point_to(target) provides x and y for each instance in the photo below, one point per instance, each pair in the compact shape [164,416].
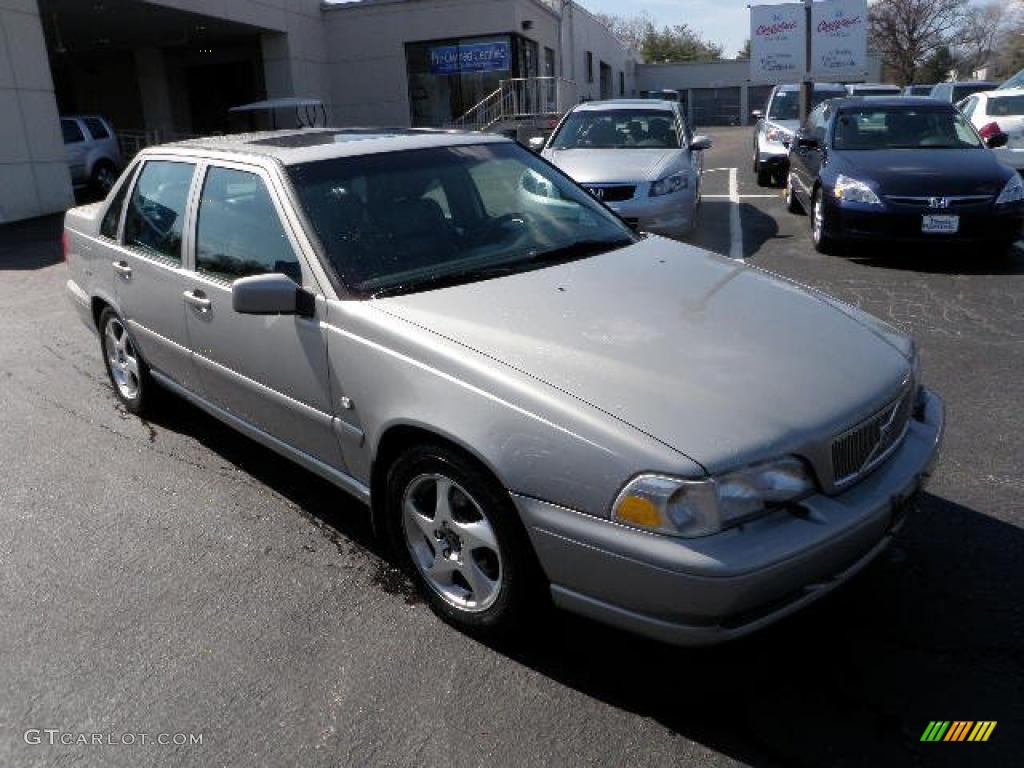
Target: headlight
[669,184]
[691,508]
[854,191]
[1013,192]
[778,134]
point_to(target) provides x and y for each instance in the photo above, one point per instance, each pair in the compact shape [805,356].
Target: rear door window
[96,128]
[155,220]
[239,231]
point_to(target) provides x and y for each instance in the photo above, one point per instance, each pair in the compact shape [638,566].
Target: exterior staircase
[518,101]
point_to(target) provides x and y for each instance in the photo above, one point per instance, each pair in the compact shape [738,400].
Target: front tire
[457,533]
[128,374]
[792,203]
[820,225]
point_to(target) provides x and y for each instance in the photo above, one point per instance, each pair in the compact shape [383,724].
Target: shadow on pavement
[932,630]
[32,243]
[937,259]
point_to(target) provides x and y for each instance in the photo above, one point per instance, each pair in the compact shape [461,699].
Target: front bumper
[671,215]
[707,590]
[892,224]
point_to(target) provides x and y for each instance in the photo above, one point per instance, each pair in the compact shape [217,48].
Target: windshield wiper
[578,250]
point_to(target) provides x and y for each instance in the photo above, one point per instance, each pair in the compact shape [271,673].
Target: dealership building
[166,69]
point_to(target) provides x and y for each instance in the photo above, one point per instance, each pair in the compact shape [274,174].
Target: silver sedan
[532,399]
[636,156]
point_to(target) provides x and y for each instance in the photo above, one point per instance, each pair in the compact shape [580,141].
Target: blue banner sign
[493,56]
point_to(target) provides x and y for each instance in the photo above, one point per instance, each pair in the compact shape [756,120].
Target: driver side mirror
[997,140]
[700,142]
[273,294]
[757,114]
[536,143]
[807,141]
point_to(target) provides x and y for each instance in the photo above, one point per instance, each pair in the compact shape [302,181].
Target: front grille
[939,202]
[859,449]
[613,194]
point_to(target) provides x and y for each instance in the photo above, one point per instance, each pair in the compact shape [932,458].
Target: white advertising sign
[839,40]
[778,43]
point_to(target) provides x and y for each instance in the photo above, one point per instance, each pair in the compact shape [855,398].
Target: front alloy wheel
[457,532]
[822,242]
[451,542]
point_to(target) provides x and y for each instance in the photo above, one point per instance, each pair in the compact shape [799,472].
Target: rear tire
[466,550]
[104,176]
[127,371]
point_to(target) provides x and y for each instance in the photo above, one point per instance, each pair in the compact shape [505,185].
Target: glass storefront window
[449,77]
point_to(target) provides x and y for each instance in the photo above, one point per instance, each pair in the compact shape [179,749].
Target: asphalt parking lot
[171,577]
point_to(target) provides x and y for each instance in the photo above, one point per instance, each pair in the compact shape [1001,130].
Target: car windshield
[618,129]
[786,104]
[408,221]
[963,91]
[903,128]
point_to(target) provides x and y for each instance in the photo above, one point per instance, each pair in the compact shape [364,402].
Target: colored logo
[958,730]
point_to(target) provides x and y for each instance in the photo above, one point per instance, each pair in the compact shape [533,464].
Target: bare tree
[980,35]
[906,32]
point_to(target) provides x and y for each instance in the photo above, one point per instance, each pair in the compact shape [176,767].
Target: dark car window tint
[72,133]
[239,232]
[108,227]
[903,128]
[619,129]
[1005,106]
[96,128]
[156,214]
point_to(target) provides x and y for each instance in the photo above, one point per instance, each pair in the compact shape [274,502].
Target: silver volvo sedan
[636,156]
[532,399]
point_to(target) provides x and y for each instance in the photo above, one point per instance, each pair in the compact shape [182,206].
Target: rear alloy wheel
[127,371]
[819,225]
[457,532]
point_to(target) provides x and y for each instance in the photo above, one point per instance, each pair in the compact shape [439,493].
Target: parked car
[873,90]
[92,151]
[776,125]
[636,156]
[919,89]
[530,397]
[901,169]
[956,91]
[996,112]
[1017,81]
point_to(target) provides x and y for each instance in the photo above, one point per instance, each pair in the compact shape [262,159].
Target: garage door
[716,106]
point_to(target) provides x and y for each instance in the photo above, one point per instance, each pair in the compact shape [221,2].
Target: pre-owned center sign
[835,31]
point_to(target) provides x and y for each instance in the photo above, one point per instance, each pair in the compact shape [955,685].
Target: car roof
[1001,92]
[838,87]
[662,104]
[870,86]
[969,82]
[892,101]
[304,145]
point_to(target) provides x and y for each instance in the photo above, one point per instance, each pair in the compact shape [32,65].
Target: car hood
[613,165]
[919,172]
[789,125]
[720,361]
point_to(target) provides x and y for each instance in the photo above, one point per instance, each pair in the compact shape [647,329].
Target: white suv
[92,151]
[995,112]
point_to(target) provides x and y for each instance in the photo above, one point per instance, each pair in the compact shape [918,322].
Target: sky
[719,21]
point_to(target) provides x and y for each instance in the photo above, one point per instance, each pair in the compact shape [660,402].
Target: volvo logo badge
[938,202]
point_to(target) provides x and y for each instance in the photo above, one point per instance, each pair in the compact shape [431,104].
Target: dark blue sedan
[901,169]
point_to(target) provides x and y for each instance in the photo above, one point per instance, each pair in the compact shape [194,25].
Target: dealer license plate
[940,225]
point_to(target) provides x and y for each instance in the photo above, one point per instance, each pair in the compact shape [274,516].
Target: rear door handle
[197,299]
[122,268]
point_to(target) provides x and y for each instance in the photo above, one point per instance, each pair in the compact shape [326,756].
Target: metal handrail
[518,98]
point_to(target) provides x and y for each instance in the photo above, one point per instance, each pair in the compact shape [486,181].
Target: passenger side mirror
[700,142]
[273,294]
[757,114]
[996,140]
[536,143]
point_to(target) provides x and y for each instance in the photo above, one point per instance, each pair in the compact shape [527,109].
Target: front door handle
[122,268]
[197,299]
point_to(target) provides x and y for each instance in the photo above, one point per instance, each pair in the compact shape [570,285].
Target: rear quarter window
[72,132]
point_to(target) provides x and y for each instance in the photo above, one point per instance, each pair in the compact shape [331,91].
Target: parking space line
[735,228]
[742,197]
